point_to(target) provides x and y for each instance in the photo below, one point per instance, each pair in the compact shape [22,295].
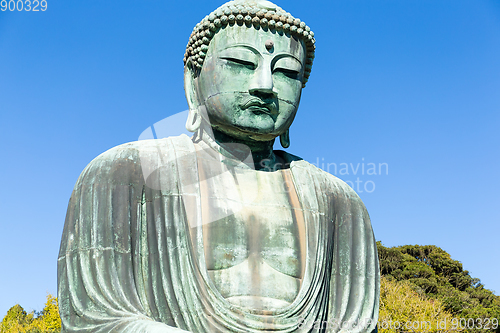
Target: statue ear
[190,84]
[190,79]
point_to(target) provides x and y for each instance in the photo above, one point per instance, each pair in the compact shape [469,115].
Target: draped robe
[132,259]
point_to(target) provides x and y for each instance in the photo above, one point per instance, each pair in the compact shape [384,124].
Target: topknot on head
[253,13]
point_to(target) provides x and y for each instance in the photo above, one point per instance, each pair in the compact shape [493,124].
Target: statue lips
[258,106]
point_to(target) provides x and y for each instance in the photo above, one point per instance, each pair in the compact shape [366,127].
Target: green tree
[16,320]
[47,321]
[433,274]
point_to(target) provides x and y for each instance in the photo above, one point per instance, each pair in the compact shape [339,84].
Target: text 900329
[23,5]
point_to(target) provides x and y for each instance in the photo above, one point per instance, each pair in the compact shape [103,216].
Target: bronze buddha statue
[219,232]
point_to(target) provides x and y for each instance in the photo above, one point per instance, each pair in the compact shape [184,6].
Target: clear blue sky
[411,83]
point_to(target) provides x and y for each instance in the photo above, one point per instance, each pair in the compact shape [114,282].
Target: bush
[403,309]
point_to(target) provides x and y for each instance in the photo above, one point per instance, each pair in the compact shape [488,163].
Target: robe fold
[132,259]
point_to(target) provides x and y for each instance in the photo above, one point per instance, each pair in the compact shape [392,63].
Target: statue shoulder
[336,185]
[127,163]
[301,166]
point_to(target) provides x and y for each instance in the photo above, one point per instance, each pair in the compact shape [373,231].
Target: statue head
[245,66]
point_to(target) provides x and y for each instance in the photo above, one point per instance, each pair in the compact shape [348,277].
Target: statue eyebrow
[243,45]
[285,54]
[254,50]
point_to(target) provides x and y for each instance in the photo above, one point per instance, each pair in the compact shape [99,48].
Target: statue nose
[262,83]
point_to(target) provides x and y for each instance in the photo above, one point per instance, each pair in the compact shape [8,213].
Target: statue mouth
[258,106]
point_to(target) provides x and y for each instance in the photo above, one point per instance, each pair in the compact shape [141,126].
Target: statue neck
[262,151]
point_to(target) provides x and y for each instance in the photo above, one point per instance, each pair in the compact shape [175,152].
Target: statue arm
[98,285]
[355,278]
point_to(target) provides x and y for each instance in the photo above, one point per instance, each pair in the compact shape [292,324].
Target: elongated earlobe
[285,139]
[193,121]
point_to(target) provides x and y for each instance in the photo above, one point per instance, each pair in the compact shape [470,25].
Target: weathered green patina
[218,232]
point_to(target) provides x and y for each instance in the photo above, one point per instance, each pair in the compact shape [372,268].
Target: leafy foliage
[47,321]
[433,275]
[401,304]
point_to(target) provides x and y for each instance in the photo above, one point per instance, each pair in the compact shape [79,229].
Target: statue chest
[256,252]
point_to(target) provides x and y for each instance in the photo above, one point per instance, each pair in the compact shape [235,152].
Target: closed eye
[241,62]
[288,72]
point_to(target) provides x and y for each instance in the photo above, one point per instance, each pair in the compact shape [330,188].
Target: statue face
[251,90]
